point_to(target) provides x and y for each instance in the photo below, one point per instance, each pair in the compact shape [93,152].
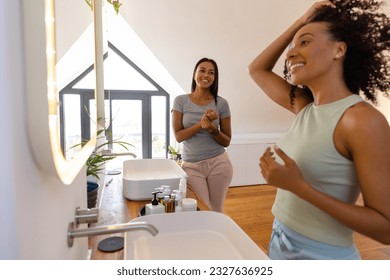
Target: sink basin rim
[187,224]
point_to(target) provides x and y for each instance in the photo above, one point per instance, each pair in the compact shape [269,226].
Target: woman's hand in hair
[313,10]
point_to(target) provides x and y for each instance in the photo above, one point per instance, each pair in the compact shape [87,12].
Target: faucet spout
[109,229]
[109,153]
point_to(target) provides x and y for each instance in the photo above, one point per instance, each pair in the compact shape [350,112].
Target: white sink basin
[142,176]
[191,236]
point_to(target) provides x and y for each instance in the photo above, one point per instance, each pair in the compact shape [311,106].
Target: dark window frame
[144,95]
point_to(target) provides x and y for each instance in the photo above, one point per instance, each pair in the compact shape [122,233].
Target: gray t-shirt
[202,145]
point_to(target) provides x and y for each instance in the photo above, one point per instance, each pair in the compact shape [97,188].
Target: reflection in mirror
[73,49]
[74,60]
[53,57]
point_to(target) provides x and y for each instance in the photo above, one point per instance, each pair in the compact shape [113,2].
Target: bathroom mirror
[74,61]
[55,52]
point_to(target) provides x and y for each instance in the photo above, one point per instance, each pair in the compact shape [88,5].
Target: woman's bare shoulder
[363,122]
[363,114]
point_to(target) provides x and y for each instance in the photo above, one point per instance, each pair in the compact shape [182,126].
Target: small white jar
[189,204]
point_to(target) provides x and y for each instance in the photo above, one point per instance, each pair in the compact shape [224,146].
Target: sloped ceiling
[233,32]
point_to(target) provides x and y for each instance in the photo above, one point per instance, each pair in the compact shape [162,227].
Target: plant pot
[92,193]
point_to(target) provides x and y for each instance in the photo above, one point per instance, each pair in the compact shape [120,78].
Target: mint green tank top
[309,143]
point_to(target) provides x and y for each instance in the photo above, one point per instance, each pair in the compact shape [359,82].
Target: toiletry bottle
[165,203]
[167,191]
[155,207]
[168,203]
[173,201]
[183,186]
[178,203]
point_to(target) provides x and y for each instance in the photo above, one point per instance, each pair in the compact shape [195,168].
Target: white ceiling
[233,32]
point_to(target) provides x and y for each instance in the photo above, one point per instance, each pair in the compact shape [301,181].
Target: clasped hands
[207,119]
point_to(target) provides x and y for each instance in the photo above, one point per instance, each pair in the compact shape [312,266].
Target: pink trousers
[210,179]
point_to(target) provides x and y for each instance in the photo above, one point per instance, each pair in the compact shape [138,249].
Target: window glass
[127,124]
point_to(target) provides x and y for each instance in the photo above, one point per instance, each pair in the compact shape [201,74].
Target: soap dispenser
[155,207]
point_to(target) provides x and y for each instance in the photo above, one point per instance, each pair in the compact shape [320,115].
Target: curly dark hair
[366,31]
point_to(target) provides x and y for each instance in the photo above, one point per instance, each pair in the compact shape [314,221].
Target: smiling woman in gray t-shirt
[201,120]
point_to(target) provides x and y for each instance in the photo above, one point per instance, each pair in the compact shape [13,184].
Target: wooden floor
[250,208]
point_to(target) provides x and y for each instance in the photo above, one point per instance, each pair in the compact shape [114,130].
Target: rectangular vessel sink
[197,235]
[142,176]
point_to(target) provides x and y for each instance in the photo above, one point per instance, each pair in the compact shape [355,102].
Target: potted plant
[172,153]
[97,160]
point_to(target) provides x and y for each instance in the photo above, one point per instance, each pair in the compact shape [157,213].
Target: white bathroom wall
[35,208]
[8,241]
[245,152]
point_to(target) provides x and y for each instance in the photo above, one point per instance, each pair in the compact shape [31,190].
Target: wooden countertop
[116,209]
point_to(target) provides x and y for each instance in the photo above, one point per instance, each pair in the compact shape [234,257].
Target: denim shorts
[286,244]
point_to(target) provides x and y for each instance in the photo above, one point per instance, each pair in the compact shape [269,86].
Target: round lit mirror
[58,50]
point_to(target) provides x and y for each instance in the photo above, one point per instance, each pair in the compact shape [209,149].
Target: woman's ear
[341,49]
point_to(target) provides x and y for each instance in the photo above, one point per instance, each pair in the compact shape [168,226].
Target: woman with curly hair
[338,145]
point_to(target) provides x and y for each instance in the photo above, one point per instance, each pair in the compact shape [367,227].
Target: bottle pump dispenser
[155,207]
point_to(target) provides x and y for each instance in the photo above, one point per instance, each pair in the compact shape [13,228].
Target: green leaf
[172,150]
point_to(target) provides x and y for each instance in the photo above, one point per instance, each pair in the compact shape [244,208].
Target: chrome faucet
[109,153]
[116,228]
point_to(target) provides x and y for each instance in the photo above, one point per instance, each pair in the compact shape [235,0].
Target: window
[136,107]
